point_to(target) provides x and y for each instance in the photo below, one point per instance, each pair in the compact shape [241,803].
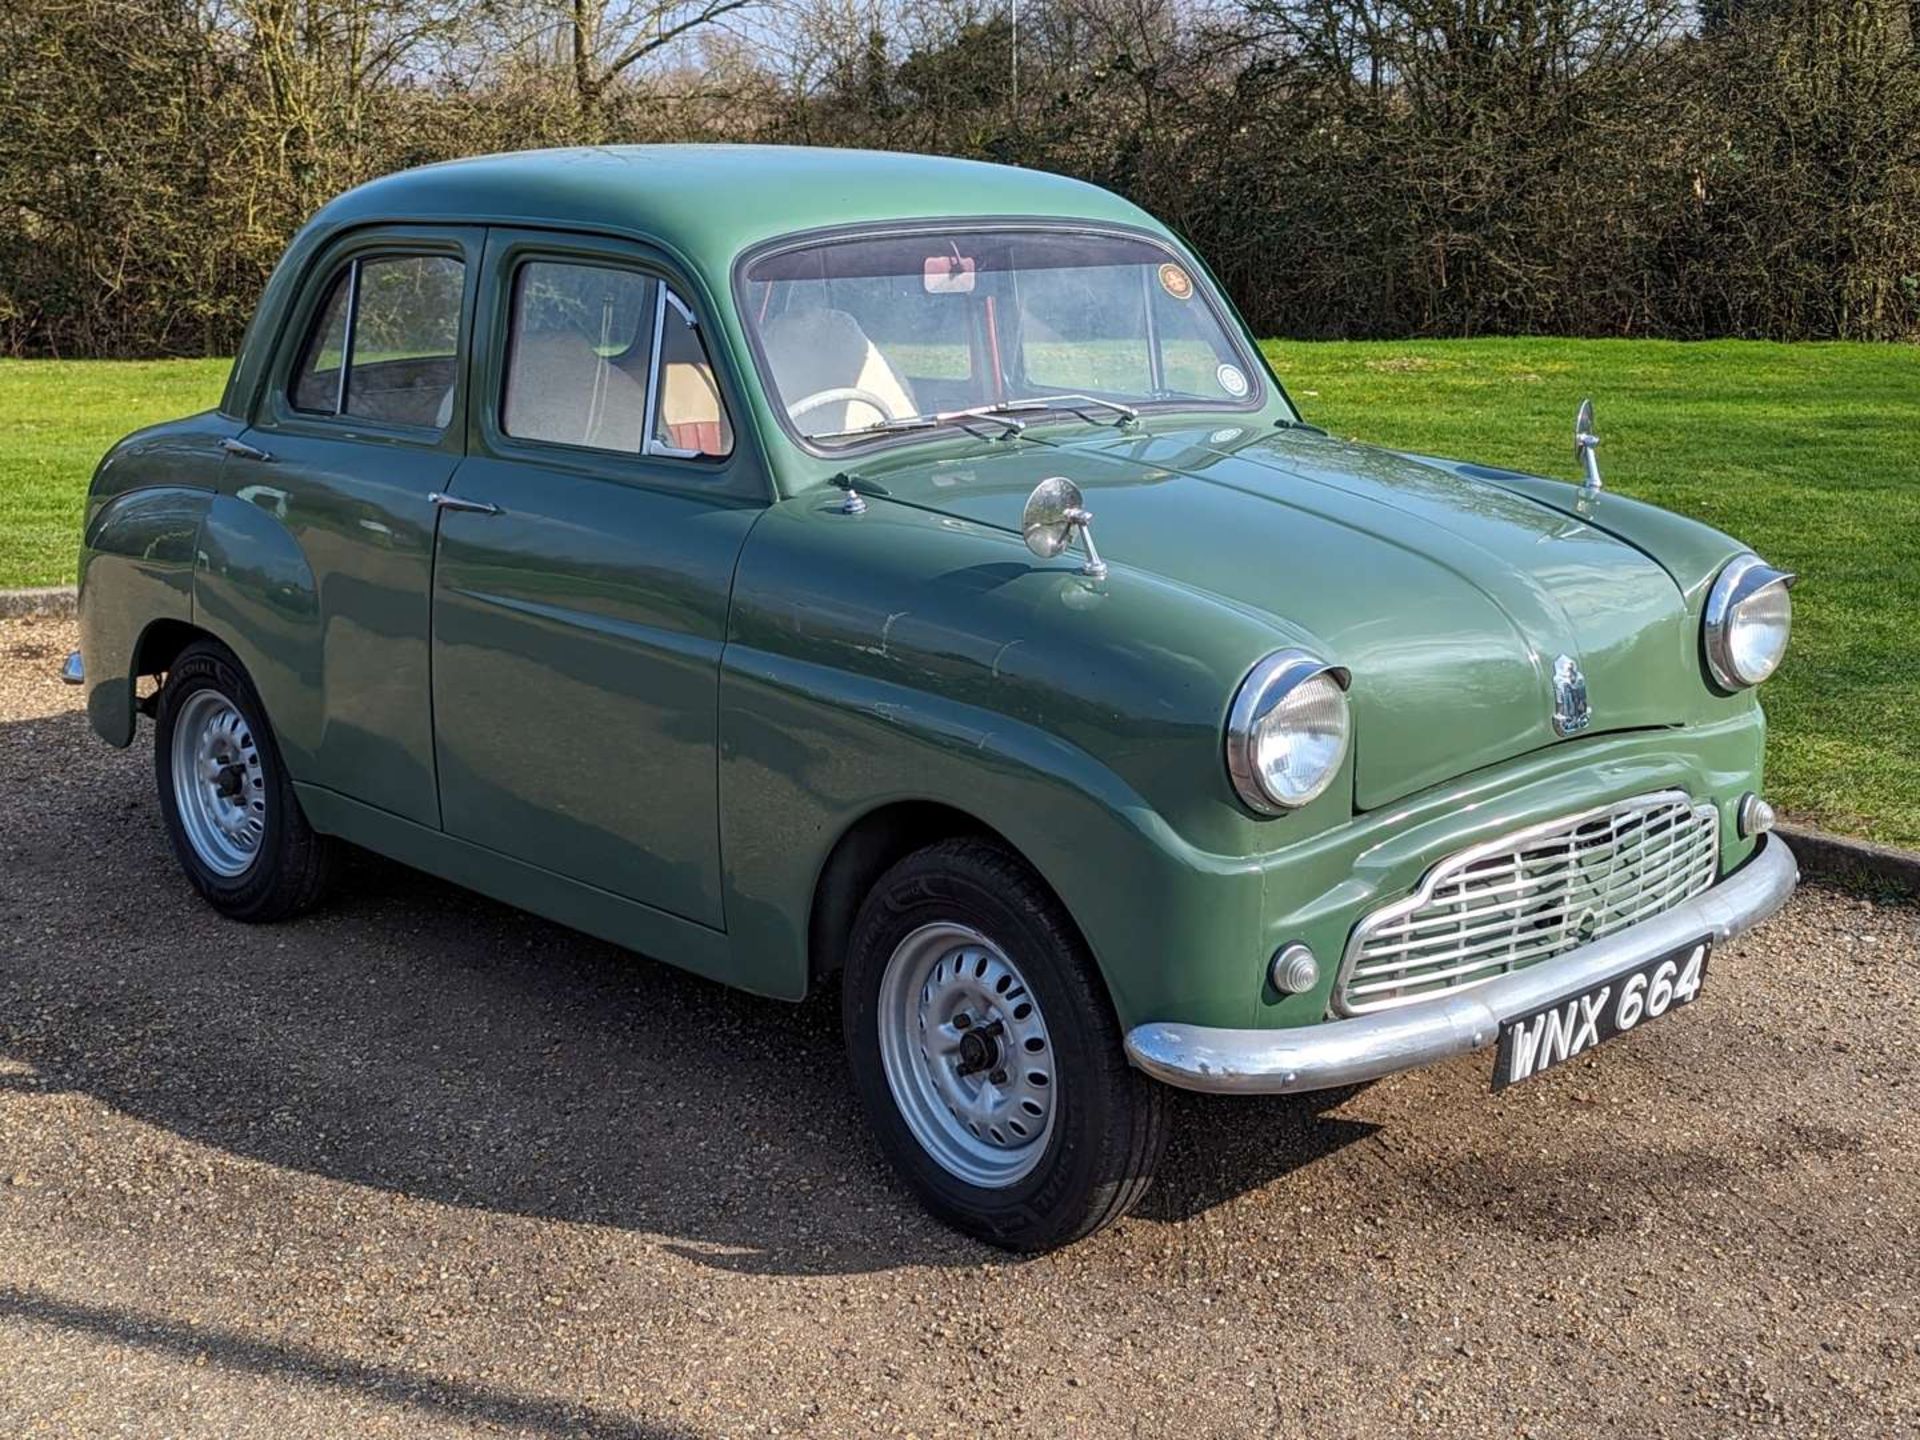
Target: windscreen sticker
[1231,380]
[1176,282]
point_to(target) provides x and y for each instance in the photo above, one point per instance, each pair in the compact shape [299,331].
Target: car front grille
[1530,896]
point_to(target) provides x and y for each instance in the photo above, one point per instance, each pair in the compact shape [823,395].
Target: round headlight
[1288,731]
[1749,616]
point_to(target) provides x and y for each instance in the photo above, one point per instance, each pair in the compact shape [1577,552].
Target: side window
[690,418]
[578,353]
[406,340]
[385,344]
[608,359]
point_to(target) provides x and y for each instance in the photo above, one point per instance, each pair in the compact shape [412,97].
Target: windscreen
[860,336]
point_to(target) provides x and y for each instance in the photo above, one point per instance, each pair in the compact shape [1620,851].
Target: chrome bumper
[1345,1052]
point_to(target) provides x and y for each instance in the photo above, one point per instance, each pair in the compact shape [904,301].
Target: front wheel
[987,1055]
[236,826]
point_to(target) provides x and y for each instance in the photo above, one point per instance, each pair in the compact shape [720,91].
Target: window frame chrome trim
[663,296]
[346,336]
[271,409]
[650,443]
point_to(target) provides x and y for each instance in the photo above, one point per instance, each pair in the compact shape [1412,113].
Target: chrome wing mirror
[1054,512]
[1585,442]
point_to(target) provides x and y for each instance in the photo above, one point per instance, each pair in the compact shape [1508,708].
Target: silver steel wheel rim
[218,785]
[983,1107]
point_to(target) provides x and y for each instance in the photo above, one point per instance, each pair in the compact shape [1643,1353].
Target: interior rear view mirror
[949,274]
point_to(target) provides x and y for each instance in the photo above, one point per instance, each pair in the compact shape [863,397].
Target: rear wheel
[987,1056]
[236,826]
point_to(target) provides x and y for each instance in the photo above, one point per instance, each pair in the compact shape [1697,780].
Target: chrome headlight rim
[1739,581]
[1268,684]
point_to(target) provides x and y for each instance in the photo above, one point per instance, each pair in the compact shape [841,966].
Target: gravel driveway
[420,1165]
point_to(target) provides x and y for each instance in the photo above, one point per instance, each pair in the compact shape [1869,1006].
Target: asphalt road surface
[420,1165]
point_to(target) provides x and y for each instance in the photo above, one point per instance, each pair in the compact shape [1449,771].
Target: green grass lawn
[57,418]
[1810,453]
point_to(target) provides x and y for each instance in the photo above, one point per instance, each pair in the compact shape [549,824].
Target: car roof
[709,202]
[704,204]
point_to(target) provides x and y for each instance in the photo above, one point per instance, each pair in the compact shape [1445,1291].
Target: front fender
[808,750]
[905,656]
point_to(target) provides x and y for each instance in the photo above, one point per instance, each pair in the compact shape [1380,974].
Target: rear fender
[136,570]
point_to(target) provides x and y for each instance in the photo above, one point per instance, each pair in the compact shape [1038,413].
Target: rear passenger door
[363,418]
[585,558]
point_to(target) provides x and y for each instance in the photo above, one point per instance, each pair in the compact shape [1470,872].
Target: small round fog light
[1755,816]
[1294,970]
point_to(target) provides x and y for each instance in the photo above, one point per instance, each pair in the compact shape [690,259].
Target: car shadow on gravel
[419,1038]
[1223,1146]
[440,1398]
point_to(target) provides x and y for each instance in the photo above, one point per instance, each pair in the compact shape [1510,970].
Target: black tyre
[987,1054]
[230,809]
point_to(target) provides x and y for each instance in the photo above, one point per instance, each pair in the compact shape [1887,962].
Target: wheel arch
[161,642]
[870,846]
[136,571]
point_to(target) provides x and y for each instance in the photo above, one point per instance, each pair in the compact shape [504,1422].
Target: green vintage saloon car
[795,564]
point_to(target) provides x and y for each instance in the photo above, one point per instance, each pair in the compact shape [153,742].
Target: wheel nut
[998,1077]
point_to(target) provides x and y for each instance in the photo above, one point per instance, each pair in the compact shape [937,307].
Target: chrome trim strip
[681,306]
[346,337]
[1383,1042]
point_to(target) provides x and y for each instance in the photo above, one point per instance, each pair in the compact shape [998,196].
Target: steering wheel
[850,394]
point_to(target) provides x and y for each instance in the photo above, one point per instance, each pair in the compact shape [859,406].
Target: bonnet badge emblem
[1571,713]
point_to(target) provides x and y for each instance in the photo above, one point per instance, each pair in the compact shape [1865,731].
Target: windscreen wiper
[1000,412]
[881,427]
[1123,415]
[965,419]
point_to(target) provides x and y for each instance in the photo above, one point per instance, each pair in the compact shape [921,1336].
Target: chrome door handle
[241,450]
[454,502]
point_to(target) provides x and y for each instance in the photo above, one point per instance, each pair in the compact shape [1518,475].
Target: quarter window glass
[691,416]
[577,356]
[396,320]
[316,384]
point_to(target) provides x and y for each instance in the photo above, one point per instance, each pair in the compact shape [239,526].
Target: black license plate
[1574,1024]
